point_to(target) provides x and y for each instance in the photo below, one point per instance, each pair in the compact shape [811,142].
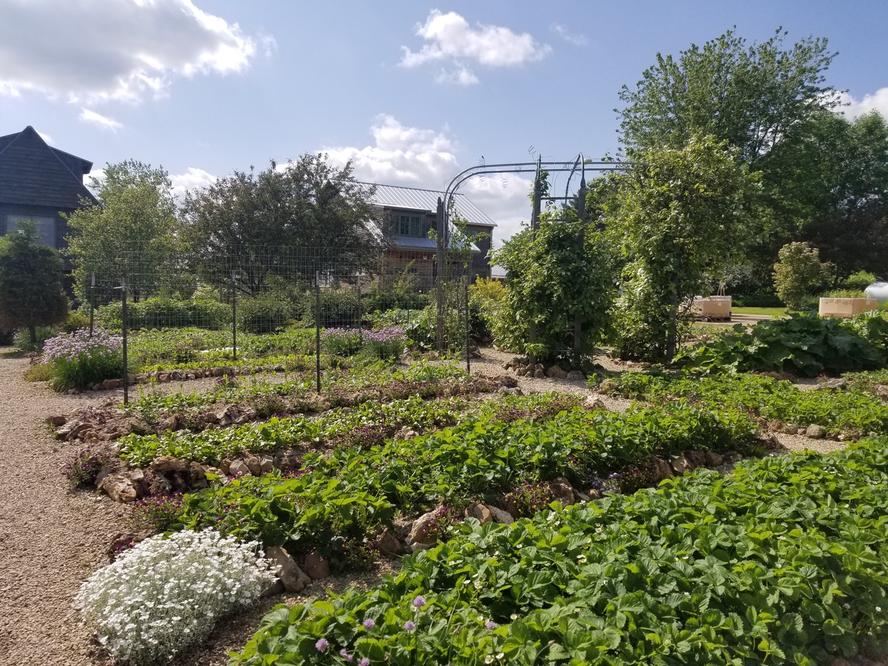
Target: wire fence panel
[276,301]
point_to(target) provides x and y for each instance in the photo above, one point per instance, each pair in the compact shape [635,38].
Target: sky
[410,92]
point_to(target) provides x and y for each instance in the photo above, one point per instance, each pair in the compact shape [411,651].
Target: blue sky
[412,91]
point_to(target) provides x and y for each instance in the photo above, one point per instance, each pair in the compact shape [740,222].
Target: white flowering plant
[168,592]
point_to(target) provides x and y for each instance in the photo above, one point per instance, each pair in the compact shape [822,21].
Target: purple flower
[419,601]
[345,655]
[70,346]
[490,624]
[409,625]
[364,662]
[368,623]
[322,644]
[390,334]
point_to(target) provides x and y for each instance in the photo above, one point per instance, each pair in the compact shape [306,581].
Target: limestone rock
[563,490]
[316,565]
[291,576]
[556,372]
[576,376]
[500,515]
[56,421]
[815,431]
[389,544]
[479,512]
[661,468]
[594,402]
[168,464]
[424,531]
[714,459]
[238,468]
[254,464]
[680,465]
[539,373]
[266,465]
[119,488]
[695,458]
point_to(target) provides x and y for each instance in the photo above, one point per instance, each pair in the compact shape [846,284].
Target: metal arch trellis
[536,168]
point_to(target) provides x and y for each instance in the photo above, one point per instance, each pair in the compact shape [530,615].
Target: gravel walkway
[50,538]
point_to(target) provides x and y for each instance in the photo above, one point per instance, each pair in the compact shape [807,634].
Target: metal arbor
[444,203]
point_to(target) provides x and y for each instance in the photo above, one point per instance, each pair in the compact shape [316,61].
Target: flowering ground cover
[78,359]
[340,498]
[782,561]
[847,411]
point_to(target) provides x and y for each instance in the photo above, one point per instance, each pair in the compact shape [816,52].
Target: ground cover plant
[848,411]
[782,561]
[341,387]
[167,593]
[352,492]
[802,345]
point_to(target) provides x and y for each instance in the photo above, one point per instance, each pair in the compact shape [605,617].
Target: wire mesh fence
[276,301]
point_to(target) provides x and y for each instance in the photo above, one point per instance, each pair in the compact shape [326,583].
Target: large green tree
[681,215]
[285,221]
[31,283]
[129,234]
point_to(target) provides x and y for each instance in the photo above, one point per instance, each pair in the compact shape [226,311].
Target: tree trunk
[32,333]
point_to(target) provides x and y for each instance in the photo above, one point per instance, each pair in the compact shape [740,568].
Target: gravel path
[50,539]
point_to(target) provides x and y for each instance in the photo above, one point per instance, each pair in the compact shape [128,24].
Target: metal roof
[416,198]
[423,244]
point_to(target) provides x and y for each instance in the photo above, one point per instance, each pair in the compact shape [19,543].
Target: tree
[758,97]
[288,222]
[31,282]
[799,273]
[680,216]
[559,288]
[129,234]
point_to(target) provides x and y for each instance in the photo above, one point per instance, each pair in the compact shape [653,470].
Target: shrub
[843,293]
[22,338]
[162,312]
[263,314]
[804,345]
[488,297]
[342,341]
[781,561]
[167,593]
[799,273]
[338,307]
[78,360]
[386,344]
[859,280]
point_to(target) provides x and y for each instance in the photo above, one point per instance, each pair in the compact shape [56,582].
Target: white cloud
[192,179]
[98,50]
[417,157]
[575,38]
[459,77]
[853,107]
[450,38]
[97,119]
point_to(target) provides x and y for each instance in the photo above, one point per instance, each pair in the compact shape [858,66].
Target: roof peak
[408,187]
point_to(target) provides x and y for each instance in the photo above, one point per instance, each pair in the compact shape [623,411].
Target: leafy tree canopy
[285,221]
[31,282]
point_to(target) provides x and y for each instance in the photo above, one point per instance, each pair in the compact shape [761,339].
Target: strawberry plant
[782,561]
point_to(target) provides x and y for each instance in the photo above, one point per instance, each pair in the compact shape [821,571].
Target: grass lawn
[771,312]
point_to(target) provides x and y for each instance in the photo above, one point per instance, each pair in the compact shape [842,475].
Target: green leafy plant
[799,273]
[781,561]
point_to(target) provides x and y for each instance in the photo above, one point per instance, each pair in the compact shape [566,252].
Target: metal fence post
[92,300]
[468,326]
[318,330]
[233,318]
[441,224]
[124,317]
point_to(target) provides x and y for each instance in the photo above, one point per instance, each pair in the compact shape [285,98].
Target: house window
[410,225]
[45,227]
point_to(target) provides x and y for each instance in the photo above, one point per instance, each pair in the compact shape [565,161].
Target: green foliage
[781,561]
[134,221]
[850,412]
[488,296]
[310,216]
[559,290]
[681,215]
[31,290]
[342,341]
[362,426]
[477,458]
[338,307]
[265,313]
[26,342]
[165,312]
[859,280]
[799,273]
[804,345]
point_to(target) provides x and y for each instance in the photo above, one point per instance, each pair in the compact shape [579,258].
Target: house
[39,183]
[407,218]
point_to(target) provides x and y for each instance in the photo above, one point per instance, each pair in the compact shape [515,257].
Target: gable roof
[32,173]
[416,198]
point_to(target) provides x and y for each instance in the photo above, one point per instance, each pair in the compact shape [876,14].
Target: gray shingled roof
[33,173]
[415,198]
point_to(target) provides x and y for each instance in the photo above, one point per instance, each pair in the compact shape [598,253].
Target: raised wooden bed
[846,307]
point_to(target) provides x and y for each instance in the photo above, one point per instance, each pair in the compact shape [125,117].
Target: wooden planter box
[712,308]
[846,307]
